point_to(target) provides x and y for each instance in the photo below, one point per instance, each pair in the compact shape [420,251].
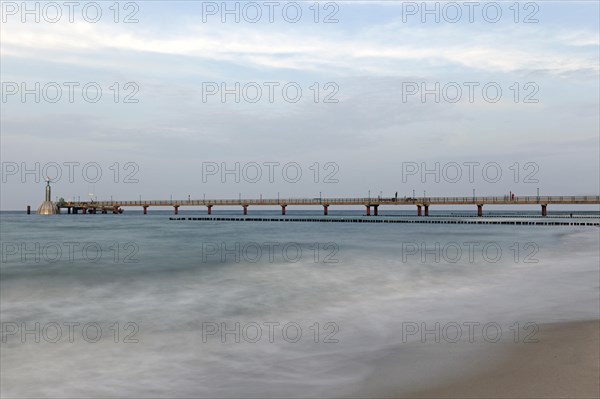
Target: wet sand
[564,363]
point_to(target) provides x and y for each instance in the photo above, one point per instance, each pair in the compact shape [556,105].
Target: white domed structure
[48,207]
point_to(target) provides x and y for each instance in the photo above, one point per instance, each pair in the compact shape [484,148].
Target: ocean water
[143,306]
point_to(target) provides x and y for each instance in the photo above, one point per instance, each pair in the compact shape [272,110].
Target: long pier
[422,204]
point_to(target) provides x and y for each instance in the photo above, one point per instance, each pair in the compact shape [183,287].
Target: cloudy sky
[385,87]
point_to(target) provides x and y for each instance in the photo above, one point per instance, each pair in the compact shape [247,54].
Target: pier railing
[369,201]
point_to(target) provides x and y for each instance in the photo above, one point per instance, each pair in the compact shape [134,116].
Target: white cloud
[377,49]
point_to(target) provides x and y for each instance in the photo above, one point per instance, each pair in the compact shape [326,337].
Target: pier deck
[422,203]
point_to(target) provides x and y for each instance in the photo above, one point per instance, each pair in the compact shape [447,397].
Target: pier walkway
[421,203]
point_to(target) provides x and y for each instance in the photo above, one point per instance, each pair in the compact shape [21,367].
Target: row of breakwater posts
[360,220]
[422,204]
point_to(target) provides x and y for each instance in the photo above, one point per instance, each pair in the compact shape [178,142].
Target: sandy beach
[565,363]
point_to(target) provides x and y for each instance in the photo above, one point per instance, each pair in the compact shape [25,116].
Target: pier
[422,204]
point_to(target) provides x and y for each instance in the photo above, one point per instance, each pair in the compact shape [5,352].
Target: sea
[144,306]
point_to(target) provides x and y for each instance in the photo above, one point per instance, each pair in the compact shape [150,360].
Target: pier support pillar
[418,210]
[245,209]
[29,209]
[176,209]
[84,210]
[479,210]
[104,211]
[544,211]
[75,210]
[426,210]
[325,209]
[115,210]
[146,210]
[283,209]
[209,209]
[68,210]
[376,210]
[368,210]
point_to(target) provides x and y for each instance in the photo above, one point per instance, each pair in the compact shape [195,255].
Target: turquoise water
[162,292]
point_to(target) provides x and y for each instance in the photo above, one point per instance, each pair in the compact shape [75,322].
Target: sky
[298,99]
